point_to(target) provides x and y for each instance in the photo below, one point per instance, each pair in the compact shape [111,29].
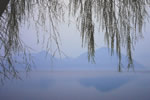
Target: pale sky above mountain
[71,42]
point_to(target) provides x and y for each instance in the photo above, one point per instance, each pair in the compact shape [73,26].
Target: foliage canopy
[121,21]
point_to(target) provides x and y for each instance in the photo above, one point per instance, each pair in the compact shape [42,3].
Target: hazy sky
[71,41]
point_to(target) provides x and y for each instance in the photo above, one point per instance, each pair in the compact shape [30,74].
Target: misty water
[78,85]
[52,28]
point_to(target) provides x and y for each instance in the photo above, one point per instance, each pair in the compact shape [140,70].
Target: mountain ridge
[103,61]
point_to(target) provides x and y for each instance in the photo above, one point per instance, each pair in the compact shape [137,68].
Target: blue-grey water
[78,85]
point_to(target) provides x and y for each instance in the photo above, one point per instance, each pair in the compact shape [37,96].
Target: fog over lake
[78,79]
[78,85]
[74,50]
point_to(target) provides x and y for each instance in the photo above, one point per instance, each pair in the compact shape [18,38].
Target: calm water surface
[78,85]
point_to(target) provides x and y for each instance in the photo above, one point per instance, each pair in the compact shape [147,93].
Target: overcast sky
[71,41]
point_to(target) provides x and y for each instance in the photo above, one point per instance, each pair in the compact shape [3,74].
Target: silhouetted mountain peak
[103,59]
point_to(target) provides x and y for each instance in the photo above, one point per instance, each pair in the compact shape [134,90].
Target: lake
[78,85]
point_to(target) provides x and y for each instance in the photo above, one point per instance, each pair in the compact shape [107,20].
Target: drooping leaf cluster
[13,13]
[121,21]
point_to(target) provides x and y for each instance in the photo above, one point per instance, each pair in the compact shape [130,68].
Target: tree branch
[3,6]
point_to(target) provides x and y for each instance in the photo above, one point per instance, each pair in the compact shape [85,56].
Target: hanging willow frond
[121,20]
[15,12]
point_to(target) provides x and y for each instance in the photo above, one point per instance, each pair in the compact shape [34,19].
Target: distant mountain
[103,60]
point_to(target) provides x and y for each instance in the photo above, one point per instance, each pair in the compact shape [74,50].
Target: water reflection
[79,86]
[105,84]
